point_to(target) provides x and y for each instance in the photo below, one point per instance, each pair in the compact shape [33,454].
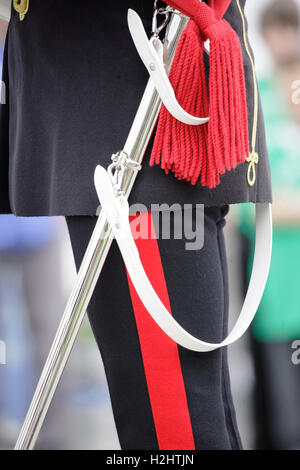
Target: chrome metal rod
[93,261]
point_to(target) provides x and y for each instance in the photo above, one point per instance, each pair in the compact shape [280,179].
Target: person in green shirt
[277,322]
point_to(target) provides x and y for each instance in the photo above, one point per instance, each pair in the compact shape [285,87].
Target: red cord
[210,149]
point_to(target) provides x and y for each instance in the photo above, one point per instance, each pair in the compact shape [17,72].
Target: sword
[124,165]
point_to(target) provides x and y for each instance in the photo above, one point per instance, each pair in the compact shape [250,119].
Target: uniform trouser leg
[164,396]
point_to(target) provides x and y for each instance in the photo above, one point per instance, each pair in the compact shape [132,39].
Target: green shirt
[278,317]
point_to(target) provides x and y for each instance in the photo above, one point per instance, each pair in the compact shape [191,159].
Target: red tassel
[179,147]
[211,149]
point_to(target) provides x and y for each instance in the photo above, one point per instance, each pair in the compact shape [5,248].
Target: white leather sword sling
[113,188]
[115,206]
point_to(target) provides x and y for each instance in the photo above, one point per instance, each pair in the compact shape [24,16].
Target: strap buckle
[118,169]
[156,29]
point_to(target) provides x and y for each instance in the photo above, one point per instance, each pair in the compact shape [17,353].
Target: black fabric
[197,283]
[4,140]
[113,324]
[75,81]
[277,389]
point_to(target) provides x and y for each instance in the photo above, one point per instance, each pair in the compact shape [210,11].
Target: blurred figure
[32,298]
[31,302]
[277,322]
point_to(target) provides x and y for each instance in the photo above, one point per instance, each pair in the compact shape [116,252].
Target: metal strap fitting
[162,11]
[117,170]
[155,28]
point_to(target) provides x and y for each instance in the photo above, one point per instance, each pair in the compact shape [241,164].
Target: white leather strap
[116,210]
[151,53]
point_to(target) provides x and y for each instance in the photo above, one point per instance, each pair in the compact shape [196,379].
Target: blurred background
[37,273]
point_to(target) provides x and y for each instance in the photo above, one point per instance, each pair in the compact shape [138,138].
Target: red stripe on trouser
[160,355]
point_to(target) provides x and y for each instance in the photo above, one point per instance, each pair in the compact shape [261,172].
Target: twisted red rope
[211,149]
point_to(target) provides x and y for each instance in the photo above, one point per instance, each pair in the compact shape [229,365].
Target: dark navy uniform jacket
[73,82]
